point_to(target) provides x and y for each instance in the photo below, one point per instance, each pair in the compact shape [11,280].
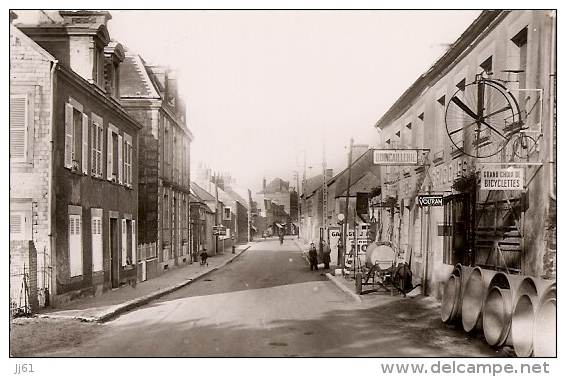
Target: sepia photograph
[368,190]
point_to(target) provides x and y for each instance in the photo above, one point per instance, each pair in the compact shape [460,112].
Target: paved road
[268,303]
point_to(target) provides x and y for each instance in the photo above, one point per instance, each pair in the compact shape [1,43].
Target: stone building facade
[506,60]
[73,157]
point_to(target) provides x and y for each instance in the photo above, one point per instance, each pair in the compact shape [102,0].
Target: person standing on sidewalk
[325,255]
[313,259]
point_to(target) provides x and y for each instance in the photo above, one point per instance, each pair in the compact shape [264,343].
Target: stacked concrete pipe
[473,296]
[510,310]
[544,329]
[498,309]
[451,306]
[526,305]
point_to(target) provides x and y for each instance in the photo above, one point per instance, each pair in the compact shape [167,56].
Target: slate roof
[135,81]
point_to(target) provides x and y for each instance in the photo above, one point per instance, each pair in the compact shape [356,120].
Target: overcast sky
[261,87]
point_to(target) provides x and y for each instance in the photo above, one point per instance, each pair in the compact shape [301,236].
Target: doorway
[114,253]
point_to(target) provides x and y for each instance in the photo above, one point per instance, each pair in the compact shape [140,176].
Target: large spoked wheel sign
[481,117]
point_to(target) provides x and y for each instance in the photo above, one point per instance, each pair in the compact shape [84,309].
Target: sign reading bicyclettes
[501,179]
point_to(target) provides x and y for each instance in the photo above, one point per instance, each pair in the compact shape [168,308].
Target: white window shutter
[94,146]
[18,128]
[85,144]
[101,146]
[75,246]
[109,148]
[97,257]
[134,242]
[120,159]
[68,135]
[124,242]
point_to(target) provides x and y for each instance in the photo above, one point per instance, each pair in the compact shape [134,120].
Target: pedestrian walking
[325,255]
[203,258]
[313,258]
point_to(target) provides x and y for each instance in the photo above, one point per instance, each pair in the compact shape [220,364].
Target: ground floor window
[128,241]
[75,241]
[96,230]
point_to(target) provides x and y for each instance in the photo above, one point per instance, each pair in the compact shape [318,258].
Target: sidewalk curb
[345,289]
[115,310]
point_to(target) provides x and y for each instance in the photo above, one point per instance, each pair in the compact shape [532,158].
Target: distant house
[280,193]
[73,161]
[203,218]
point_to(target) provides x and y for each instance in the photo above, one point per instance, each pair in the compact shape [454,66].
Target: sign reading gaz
[430,201]
[395,156]
[218,230]
[501,179]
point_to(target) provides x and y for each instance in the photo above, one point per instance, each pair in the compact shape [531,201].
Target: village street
[268,303]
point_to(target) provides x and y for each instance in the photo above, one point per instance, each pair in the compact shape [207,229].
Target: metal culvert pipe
[544,329]
[473,297]
[496,316]
[525,308]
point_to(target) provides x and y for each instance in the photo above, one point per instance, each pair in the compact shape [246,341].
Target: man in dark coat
[313,259]
[325,255]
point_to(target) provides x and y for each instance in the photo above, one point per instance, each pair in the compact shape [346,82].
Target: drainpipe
[551,86]
[427,248]
[53,285]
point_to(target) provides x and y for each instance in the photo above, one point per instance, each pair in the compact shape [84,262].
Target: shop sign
[218,230]
[431,201]
[395,156]
[501,179]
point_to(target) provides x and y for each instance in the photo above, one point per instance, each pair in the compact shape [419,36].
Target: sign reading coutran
[430,201]
[395,156]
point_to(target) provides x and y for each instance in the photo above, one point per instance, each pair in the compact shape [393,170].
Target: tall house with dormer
[149,94]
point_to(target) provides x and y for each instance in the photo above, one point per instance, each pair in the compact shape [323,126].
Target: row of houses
[483,113]
[100,184]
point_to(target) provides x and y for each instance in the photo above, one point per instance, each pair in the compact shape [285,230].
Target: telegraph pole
[216,212]
[324,189]
[345,235]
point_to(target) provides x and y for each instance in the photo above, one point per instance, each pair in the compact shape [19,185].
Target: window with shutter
[109,155]
[124,243]
[68,135]
[21,220]
[134,242]
[120,166]
[84,157]
[96,147]
[75,246]
[127,160]
[97,256]
[18,128]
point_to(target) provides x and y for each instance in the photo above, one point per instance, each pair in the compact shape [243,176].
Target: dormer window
[113,56]
[98,65]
